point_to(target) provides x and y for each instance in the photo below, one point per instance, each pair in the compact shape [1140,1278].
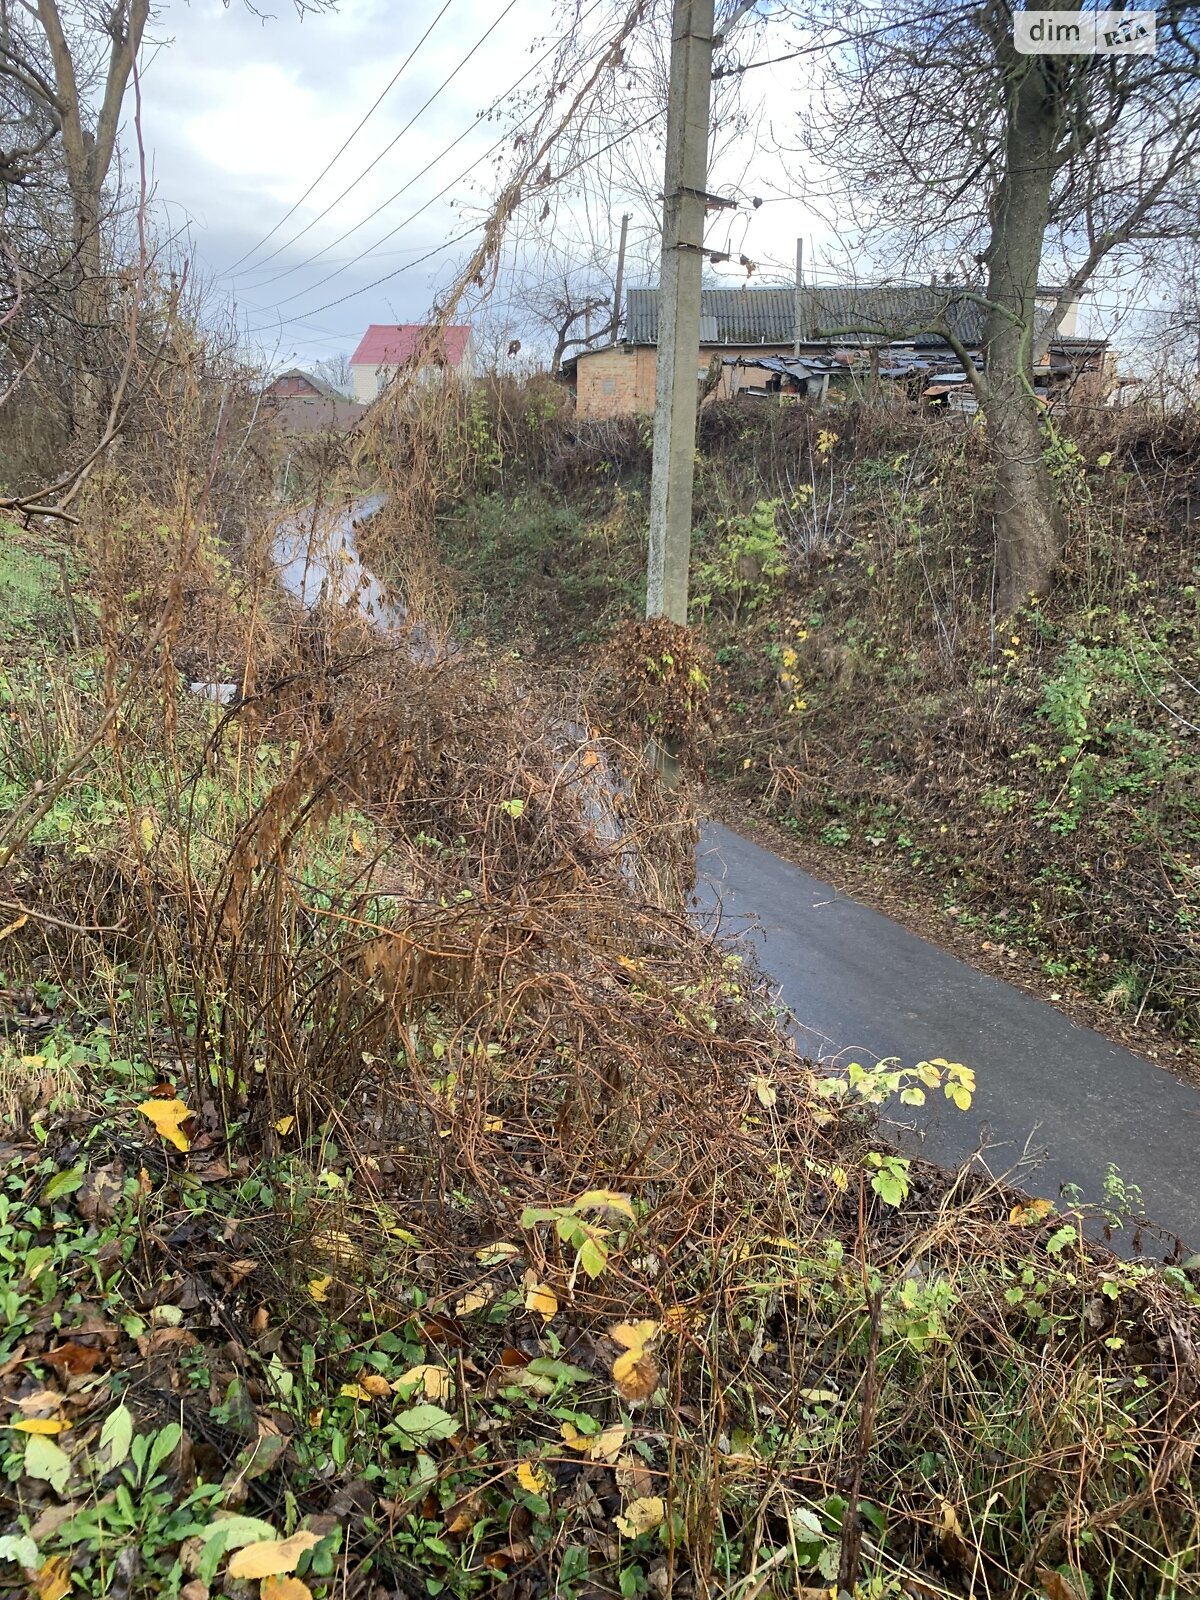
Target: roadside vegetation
[1037,782]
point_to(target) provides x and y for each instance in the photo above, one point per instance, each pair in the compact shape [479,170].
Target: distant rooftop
[393,344]
[767,316]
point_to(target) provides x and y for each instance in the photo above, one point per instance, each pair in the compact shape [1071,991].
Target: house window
[608,386]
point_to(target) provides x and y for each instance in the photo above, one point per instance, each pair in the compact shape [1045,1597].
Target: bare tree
[335,371]
[947,145]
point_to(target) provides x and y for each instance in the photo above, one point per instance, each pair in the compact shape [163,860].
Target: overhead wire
[420,111]
[417,176]
[345,144]
[315,311]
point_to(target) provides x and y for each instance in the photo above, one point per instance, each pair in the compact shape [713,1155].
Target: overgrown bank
[400,1197]
[1039,787]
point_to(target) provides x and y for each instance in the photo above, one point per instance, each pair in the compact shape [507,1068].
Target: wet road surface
[1058,1100]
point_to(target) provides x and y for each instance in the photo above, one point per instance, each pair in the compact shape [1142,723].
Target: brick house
[295,381]
[768,339]
[385,348]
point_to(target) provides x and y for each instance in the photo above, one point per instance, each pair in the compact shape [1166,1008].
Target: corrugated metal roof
[831,311]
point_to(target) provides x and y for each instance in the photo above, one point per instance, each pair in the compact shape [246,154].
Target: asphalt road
[1056,1101]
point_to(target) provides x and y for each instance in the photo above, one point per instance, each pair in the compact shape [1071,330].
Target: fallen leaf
[540,1297]
[532,1479]
[238,1270]
[464,1514]
[74,1358]
[98,1195]
[355,842]
[41,1425]
[168,1117]
[354,1391]
[270,1557]
[285,1125]
[276,1588]
[634,1335]
[1028,1213]
[635,1371]
[636,1374]
[474,1300]
[44,1400]
[48,1462]
[11,927]
[763,1090]
[641,1516]
[54,1579]
[1056,1587]
[376,1384]
[606,1446]
[318,1288]
[491,1255]
[433,1379]
[21,1548]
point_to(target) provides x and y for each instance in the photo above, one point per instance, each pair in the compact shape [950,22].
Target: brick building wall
[619,382]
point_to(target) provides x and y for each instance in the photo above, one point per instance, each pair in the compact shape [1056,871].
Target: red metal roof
[389,344]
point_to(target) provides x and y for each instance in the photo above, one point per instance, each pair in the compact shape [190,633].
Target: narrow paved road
[862,987]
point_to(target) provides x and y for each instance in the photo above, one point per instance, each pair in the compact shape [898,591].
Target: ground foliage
[400,1195]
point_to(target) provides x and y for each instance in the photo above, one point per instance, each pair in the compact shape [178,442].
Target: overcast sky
[240,116]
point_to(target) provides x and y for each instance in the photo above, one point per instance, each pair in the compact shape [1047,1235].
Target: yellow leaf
[54,1579]
[532,1479]
[540,1297]
[634,1335]
[641,1516]
[679,1318]
[636,1374]
[275,1588]
[474,1300]
[763,1090]
[491,1255]
[1029,1212]
[167,1115]
[376,1384]
[285,1125]
[11,927]
[355,842]
[607,1445]
[318,1288]
[574,1440]
[494,1125]
[41,1425]
[605,1200]
[147,830]
[354,1391]
[271,1556]
[433,1379]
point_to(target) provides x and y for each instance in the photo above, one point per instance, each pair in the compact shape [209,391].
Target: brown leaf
[238,1270]
[74,1358]
[1056,1587]
[99,1193]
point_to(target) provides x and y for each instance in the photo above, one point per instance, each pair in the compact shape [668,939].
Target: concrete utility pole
[619,282]
[800,332]
[679,309]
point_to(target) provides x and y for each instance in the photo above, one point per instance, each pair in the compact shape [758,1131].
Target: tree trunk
[1029,531]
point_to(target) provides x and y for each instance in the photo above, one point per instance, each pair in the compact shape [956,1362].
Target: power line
[345,143]
[428,167]
[392,143]
[315,311]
